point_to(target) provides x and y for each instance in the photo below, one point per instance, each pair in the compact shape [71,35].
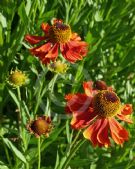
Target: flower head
[96,111]
[58,67]
[41,126]
[17,78]
[106,103]
[57,36]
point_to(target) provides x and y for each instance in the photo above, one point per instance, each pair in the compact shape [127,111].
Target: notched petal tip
[127,109]
[33,39]
[45,27]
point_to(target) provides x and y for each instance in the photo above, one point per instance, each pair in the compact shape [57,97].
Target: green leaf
[3,166]
[98,16]
[22,13]
[57,160]
[129,58]
[3,21]
[14,149]
[14,97]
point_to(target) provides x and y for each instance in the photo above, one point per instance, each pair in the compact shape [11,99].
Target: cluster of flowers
[95,109]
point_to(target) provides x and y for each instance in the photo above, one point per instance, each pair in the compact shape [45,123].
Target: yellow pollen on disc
[17,78]
[60,33]
[106,103]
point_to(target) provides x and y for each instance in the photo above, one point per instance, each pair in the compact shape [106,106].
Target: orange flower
[96,110]
[41,126]
[58,35]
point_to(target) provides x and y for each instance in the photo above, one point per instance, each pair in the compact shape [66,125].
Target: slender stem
[7,155]
[20,109]
[71,151]
[27,165]
[39,155]
[19,94]
[53,82]
[38,97]
[75,139]
[77,146]
[21,120]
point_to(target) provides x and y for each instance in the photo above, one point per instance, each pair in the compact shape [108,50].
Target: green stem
[39,96]
[71,152]
[38,102]
[7,155]
[27,165]
[75,139]
[39,155]
[74,150]
[53,82]
[20,108]
[21,120]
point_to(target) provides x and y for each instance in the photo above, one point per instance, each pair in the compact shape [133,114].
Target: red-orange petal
[69,96]
[64,48]
[102,135]
[45,27]
[91,132]
[124,118]
[45,60]
[127,109]
[118,133]
[88,88]
[34,39]
[46,52]
[79,47]
[82,119]
[70,54]
[41,49]
[76,37]
[79,103]
[53,52]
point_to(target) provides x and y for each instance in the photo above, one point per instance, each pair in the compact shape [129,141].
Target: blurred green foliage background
[108,26]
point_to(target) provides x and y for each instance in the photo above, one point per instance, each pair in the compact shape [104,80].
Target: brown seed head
[106,103]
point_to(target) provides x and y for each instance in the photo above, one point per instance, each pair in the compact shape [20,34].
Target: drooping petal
[43,59]
[124,118]
[127,109]
[88,88]
[51,55]
[75,36]
[102,135]
[41,49]
[53,52]
[79,103]
[69,54]
[79,47]
[82,119]
[67,98]
[34,39]
[91,133]
[118,133]
[46,52]
[45,27]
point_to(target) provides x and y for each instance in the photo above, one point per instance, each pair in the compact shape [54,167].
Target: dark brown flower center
[106,103]
[60,33]
[40,126]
